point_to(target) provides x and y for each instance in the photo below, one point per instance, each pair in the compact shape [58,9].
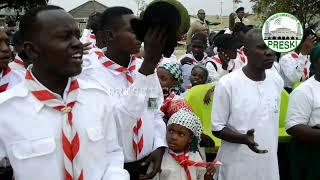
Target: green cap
[185,18]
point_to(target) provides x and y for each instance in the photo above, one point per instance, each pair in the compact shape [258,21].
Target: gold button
[66,109]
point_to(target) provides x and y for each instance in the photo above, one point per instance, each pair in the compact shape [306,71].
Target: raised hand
[308,44]
[154,42]
[186,60]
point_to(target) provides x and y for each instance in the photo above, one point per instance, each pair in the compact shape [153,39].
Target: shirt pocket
[95,133]
[96,145]
[33,148]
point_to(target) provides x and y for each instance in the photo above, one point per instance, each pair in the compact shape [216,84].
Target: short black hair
[211,38]
[240,9]
[29,22]
[252,35]
[112,16]
[205,70]
[240,27]
[219,33]
[93,22]
[200,36]
[226,41]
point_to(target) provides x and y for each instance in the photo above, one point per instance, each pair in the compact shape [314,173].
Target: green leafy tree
[305,10]
[235,2]
[21,4]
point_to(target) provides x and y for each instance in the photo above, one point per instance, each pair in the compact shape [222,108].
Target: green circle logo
[282,32]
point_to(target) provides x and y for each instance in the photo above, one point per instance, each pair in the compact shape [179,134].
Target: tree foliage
[21,4]
[305,10]
[237,1]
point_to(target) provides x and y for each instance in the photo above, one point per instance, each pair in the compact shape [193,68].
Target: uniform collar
[118,72]
[38,105]
[102,78]
[113,71]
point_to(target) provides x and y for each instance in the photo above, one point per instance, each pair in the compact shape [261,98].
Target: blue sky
[212,7]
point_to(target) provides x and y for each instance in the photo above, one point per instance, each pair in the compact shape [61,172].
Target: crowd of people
[97,106]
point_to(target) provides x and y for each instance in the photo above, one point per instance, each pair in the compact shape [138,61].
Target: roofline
[87,2]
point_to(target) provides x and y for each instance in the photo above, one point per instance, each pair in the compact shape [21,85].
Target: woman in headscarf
[303,123]
[170,77]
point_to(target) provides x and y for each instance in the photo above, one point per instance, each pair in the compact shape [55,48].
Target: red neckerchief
[108,63]
[18,61]
[183,160]
[4,81]
[295,55]
[217,59]
[137,139]
[166,103]
[242,55]
[70,137]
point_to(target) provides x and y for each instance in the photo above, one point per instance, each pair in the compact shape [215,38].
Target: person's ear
[101,39]
[32,51]
[108,35]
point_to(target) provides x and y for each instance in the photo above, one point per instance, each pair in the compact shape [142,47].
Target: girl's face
[197,48]
[197,76]
[178,138]
[167,81]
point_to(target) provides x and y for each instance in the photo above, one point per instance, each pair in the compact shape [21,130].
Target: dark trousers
[304,160]
[6,173]
[283,161]
[135,169]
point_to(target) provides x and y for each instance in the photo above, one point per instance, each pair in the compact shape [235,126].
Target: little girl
[181,160]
